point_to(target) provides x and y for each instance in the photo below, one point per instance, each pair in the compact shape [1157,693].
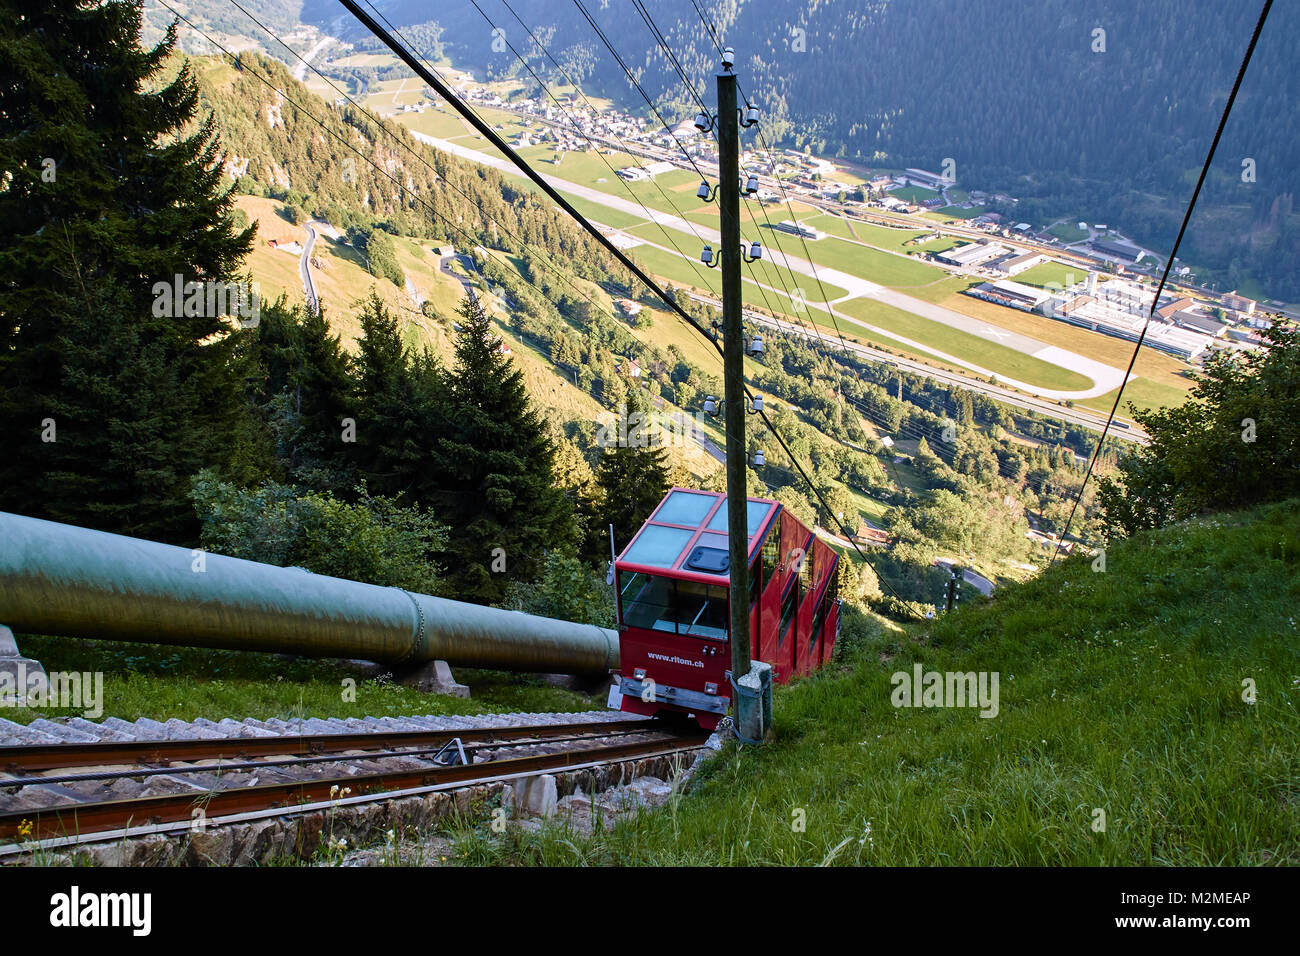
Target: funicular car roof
[686,519]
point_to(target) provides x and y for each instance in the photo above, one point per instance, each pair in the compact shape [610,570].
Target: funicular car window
[771,553]
[702,610]
[806,571]
[788,605]
[678,607]
[818,617]
[646,600]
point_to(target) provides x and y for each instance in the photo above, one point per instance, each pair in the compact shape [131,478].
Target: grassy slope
[1120,691]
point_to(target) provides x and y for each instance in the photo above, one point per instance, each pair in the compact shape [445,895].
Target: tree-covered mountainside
[1023,97]
[336,163]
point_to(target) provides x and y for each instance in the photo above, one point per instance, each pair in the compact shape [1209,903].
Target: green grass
[856,259]
[1119,691]
[1057,273]
[442,124]
[145,680]
[588,169]
[996,358]
[1068,232]
[913,194]
[605,215]
[959,212]
[882,237]
[1143,393]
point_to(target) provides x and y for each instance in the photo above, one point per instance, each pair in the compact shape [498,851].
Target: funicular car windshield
[678,607]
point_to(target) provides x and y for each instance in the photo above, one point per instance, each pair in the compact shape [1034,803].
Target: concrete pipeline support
[64,580]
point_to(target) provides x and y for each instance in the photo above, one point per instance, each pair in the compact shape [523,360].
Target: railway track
[68,792]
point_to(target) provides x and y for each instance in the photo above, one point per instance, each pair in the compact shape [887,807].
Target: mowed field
[972,348]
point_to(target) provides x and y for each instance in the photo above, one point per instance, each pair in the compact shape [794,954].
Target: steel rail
[36,757]
[83,818]
[172,770]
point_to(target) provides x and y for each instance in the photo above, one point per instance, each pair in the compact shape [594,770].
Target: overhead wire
[713,35]
[795,302]
[673,59]
[757,277]
[637,83]
[578,127]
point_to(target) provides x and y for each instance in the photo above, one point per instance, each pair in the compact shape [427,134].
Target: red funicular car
[673,616]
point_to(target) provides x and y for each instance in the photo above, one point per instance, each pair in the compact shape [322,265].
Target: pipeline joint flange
[418,650]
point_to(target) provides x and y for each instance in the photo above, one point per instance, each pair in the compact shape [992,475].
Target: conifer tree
[497,467]
[399,406]
[304,395]
[111,185]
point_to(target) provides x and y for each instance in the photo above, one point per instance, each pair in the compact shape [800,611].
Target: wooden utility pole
[733,369]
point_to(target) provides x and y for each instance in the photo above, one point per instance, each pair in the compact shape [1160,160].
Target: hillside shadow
[342,250]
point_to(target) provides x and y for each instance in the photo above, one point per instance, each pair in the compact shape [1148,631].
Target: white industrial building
[1016,262]
[799,229]
[971,255]
[1017,295]
[1120,308]
[922,177]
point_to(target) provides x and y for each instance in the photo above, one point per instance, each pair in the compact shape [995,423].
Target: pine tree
[304,394]
[400,402]
[497,465]
[110,187]
[108,362]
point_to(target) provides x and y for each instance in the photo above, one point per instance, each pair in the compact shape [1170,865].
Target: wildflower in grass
[25,829]
[866,836]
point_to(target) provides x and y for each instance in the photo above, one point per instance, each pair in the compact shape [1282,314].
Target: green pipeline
[64,580]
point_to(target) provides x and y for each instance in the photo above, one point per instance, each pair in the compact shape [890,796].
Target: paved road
[308,286]
[978,581]
[1104,377]
[1029,403]
[300,70]
[444,266]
